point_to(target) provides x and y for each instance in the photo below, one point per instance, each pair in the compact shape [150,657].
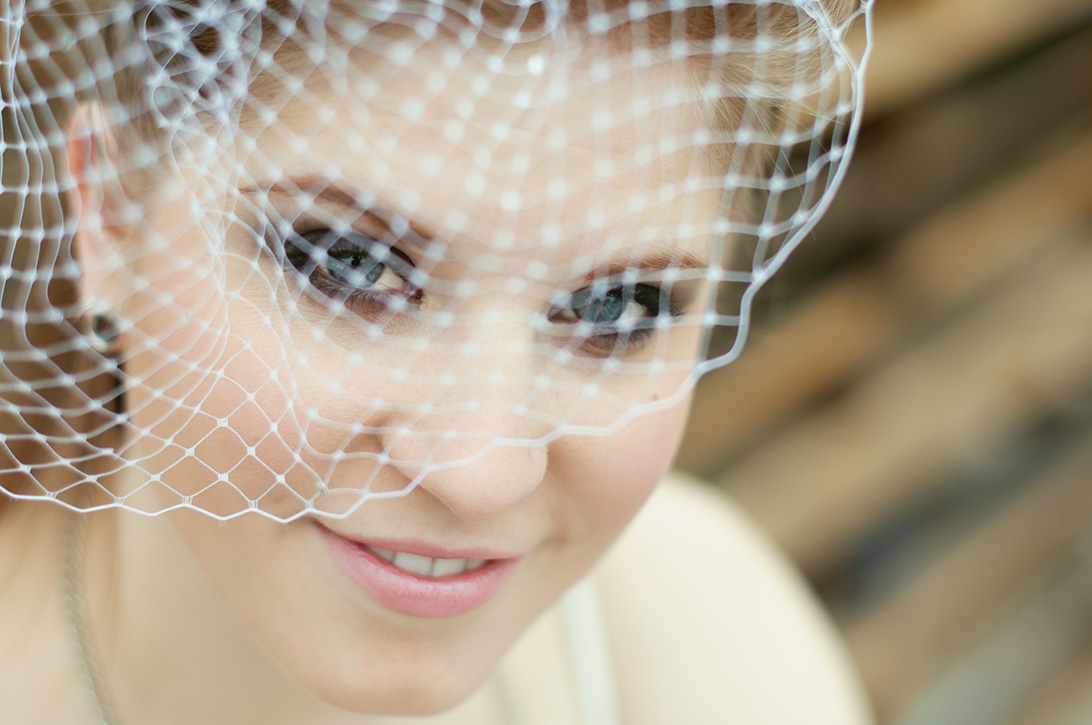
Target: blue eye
[354,269]
[603,307]
[612,319]
[620,305]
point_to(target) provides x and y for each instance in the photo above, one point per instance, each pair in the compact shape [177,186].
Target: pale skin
[252,614]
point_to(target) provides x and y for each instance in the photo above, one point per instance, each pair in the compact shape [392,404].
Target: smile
[426,566]
[414,583]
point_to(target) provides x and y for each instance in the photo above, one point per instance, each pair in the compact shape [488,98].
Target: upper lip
[426,548]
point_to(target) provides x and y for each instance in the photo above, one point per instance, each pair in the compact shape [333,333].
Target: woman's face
[417,284]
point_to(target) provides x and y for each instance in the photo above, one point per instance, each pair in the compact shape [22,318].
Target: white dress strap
[594,675]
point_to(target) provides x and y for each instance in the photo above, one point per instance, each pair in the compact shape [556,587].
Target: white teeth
[386,554]
[448,567]
[426,566]
[414,564]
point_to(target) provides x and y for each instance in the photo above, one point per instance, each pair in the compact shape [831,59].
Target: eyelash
[610,339]
[320,256]
[314,254]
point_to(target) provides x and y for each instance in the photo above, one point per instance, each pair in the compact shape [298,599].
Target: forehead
[499,142]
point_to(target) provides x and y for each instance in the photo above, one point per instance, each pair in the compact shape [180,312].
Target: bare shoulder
[709,624]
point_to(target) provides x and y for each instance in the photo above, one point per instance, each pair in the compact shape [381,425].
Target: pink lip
[419,596]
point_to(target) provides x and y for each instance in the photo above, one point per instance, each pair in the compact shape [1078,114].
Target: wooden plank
[1005,226]
[901,644]
[921,46]
[1066,699]
[943,405]
[957,254]
[836,332]
[932,156]
[1080,715]
[1015,656]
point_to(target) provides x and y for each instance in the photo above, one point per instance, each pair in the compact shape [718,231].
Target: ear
[96,200]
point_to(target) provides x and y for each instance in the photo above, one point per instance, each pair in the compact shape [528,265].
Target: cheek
[227,414]
[615,474]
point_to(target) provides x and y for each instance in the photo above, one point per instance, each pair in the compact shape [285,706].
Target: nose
[476,474]
[463,428]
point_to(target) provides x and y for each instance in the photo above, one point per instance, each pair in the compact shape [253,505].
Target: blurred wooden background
[912,418]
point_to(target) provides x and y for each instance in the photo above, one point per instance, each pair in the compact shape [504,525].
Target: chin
[414,686]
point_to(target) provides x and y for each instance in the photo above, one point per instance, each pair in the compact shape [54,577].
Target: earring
[103,330]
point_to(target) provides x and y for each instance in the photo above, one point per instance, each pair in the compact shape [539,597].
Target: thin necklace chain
[75,605]
[507,699]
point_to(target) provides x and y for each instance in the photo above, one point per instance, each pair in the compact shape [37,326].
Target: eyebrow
[318,187]
[658,261]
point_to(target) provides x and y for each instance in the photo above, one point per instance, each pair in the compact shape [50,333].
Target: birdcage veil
[255,247]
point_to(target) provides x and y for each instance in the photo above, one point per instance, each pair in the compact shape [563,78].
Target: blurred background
[912,418]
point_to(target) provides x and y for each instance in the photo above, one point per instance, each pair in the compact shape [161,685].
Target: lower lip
[410,594]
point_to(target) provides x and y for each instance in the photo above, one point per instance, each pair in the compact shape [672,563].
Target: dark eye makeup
[361,273]
[354,271]
[612,319]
